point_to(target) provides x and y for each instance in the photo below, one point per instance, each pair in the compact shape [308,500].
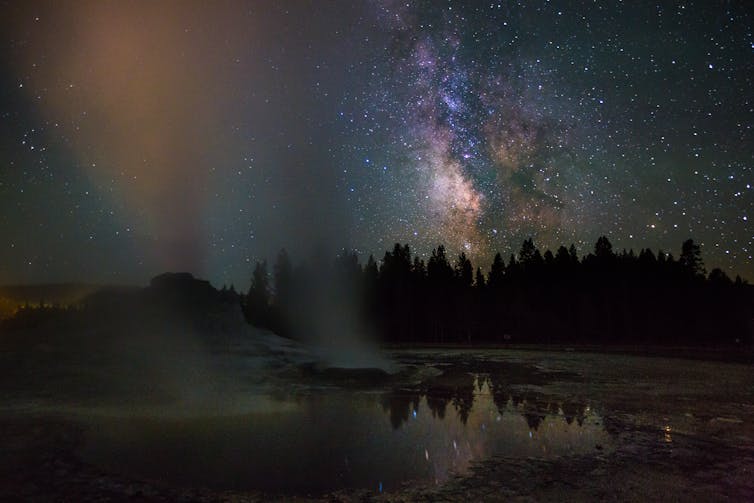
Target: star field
[139,138]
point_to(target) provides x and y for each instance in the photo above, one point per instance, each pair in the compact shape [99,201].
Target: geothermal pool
[333,440]
[479,424]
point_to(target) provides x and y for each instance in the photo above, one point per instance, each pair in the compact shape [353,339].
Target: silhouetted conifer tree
[603,249]
[718,277]
[258,298]
[497,272]
[464,272]
[549,258]
[526,254]
[572,253]
[440,282]
[418,269]
[479,281]
[371,271]
[439,271]
[691,259]
[513,267]
[561,256]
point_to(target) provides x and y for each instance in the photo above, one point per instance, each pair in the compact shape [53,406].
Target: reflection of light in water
[452,446]
[667,430]
[369,451]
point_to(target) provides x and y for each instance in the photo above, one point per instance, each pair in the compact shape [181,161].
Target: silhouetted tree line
[602,298]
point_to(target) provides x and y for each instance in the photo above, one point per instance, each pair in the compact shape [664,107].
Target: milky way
[140,137]
[564,122]
[483,155]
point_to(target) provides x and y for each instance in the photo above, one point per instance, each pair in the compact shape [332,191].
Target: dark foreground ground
[626,428]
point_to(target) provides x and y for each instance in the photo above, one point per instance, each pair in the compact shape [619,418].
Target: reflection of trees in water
[401,404]
[437,401]
[574,410]
[500,394]
[454,386]
[457,387]
[463,395]
[533,419]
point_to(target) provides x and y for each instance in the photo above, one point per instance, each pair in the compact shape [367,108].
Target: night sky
[139,137]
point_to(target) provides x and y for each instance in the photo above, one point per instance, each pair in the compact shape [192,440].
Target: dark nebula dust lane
[140,137]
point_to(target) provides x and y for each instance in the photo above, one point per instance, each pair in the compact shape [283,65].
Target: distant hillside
[176,310]
[63,294]
[171,299]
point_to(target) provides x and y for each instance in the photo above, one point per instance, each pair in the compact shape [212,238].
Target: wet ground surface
[445,425]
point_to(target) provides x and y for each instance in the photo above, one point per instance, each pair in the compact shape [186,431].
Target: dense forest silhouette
[603,298]
[557,298]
